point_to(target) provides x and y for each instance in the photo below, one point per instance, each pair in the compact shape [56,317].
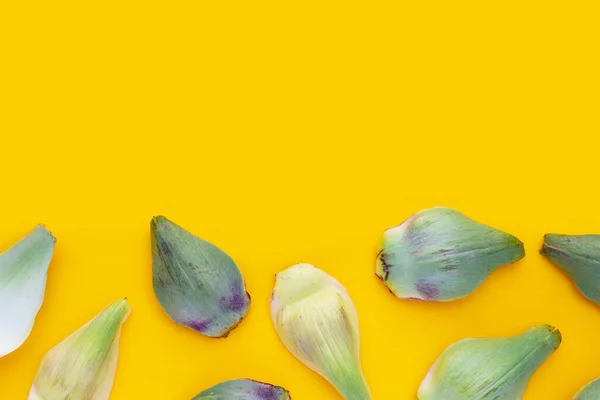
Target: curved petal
[23,270]
[579,257]
[489,369]
[197,284]
[83,366]
[243,389]
[439,254]
[591,391]
[317,322]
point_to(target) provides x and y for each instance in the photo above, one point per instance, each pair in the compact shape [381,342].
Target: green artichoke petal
[83,366]
[439,254]
[579,257]
[243,389]
[196,283]
[316,320]
[489,369]
[591,391]
[23,272]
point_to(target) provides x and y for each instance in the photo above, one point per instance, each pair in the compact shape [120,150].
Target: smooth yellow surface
[289,132]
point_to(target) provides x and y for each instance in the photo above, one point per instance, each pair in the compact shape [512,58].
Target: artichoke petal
[196,283]
[243,389]
[83,366]
[579,257]
[317,322]
[23,271]
[489,369]
[439,254]
[591,391]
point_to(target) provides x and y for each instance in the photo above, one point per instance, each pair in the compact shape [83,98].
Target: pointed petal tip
[553,244]
[548,237]
[121,302]
[547,334]
[577,256]
[520,243]
[554,239]
[161,221]
[559,337]
[42,229]
[157,220]
[556,334]
[121,308]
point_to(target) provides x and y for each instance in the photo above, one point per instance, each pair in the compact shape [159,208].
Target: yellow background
[289,132]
